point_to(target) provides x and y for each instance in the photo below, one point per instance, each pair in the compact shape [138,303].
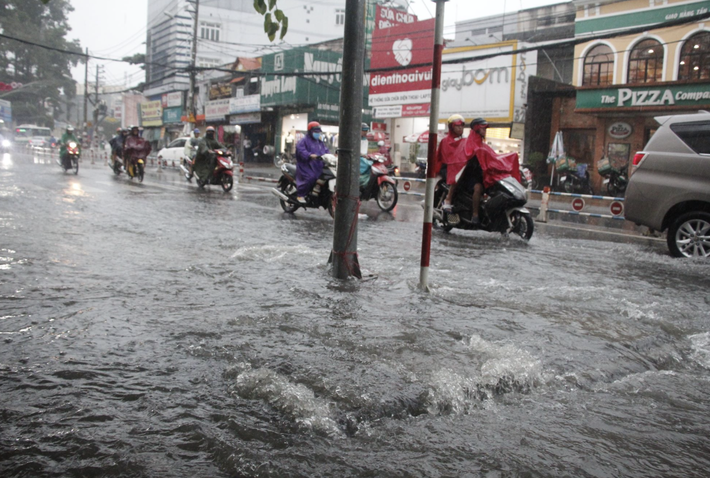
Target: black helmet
[478,121]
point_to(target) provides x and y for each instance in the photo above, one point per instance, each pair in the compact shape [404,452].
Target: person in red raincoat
[448,160]
[494,166]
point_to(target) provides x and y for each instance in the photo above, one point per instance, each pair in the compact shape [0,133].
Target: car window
[695,134]
[178,143]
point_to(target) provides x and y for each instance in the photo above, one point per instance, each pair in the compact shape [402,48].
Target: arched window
[646,62]
[598,66]
[695,58]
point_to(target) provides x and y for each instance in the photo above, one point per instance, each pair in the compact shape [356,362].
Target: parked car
[669,188]
[174,151]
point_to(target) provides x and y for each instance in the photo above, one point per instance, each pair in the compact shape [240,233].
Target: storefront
[151,116]
[172,116]
[623,82]
[296,100]
[493,88]
[621,120]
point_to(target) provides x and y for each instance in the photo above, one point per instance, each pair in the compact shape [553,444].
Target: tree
[274,19]
[137,59]
[45,74]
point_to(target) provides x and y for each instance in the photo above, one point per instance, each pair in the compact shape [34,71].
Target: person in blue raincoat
[309,167]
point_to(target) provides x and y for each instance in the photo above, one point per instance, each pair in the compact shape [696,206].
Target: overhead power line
[555,44]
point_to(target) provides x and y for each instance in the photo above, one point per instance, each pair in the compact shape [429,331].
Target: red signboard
[381,127]
[578,204]
[416,110]
[407,185]
[399,47]
[390,17]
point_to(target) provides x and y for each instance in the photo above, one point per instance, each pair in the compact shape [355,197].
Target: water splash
[294,400]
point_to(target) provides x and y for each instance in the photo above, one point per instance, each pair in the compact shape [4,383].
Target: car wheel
[689,235]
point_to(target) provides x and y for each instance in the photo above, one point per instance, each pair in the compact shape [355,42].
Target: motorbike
[134,167]
[376,183]
[223,173]
[576,181]
[615,182]
[527,178]
[320,196]
[420,168]
[71,158]
[501,209]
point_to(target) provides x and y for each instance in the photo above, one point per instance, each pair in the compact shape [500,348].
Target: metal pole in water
[344,254]
[431,154]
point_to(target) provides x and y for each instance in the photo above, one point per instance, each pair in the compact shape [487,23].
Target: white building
[228,29]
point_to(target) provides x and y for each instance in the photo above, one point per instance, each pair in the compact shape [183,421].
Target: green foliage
[45,74]
[274,19]
[137,59]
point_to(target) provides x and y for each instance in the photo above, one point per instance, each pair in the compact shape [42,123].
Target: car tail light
[636,162]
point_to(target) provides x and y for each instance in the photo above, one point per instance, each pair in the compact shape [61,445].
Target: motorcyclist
[190,150]
[135,147]
[472,176]
[117,144]
[364,143]
[448,161]
[66,138]
[309,168]
[205,158]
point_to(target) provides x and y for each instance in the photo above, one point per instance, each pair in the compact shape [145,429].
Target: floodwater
[155,330]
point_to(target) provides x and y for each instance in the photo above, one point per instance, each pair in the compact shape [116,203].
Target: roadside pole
[191,115]
[347,202]
[86,91]
[431,154]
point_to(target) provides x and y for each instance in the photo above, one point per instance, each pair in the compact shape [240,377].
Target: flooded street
[158,330]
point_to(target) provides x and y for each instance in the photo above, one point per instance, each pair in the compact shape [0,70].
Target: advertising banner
[172,115]
[245,104]
[151,113]
[492,88]
[397,47]
[172,100]
[246,118]
[216,110]
[389,17]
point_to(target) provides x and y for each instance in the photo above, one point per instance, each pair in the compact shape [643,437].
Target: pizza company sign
[685,95]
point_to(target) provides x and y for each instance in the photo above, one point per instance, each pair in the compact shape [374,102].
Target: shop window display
[598,66]
[646,62]
[695,58]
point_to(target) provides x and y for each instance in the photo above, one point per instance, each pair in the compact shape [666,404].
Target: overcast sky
[119,30]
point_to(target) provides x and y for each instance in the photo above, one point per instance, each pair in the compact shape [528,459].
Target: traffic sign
[578,204]
[407,185]
[617,208]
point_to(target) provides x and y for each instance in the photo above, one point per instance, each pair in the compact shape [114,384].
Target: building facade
[643,58]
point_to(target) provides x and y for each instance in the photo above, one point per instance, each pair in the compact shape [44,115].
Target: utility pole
[431,154]
[191,113]
[95,128]
[86,88]
[344,254]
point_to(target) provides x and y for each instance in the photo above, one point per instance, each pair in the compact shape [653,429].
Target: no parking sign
[617,208]
[578,204]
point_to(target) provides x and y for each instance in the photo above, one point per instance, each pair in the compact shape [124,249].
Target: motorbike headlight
[5,143]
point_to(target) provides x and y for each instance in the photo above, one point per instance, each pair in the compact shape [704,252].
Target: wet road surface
[159,330]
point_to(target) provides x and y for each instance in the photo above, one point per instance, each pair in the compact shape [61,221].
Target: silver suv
[669,186]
